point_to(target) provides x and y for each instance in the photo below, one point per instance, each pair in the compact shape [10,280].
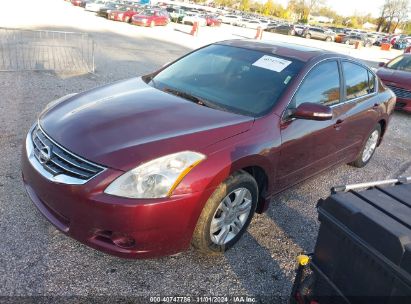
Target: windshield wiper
[188,96]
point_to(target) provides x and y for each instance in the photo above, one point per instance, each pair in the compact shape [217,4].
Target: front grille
[399,92]
[57,160]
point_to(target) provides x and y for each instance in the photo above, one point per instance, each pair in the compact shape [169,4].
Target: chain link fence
[40,50]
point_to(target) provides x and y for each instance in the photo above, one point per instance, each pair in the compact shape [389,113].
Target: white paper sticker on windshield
[272,63]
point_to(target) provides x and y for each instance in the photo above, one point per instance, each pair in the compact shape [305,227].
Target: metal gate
[40,50]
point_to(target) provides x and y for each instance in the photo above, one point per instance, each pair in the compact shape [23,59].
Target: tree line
[395,14]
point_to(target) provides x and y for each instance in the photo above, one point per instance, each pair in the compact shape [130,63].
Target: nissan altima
[146,166]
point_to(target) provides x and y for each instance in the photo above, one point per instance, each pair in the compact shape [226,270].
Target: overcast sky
[349,7]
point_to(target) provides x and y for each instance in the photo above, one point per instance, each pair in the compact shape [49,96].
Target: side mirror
[313,111]
[381,64]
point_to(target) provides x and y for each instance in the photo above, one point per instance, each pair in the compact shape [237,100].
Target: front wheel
[328,39]
[368,149]
[227,214]
[308,36]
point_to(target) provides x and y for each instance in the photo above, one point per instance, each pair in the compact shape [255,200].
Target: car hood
[123,124]
[396,78]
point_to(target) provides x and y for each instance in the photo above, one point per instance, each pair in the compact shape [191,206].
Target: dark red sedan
[396,74]
[186,155]
[124,14]
[151,17]
[212,20]
[81,3]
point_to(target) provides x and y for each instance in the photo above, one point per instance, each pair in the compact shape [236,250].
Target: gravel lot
[37,260]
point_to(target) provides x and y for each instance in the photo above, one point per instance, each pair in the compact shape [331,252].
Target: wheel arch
[383,124]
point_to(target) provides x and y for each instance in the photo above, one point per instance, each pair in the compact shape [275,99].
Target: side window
[356,80]
[321,85]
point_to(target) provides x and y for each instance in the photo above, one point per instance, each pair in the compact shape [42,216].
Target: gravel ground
[37,260]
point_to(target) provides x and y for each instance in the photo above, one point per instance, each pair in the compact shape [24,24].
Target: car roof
[291,50]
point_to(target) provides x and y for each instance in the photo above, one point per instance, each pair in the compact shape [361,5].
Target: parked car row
[347,36]
[146,15]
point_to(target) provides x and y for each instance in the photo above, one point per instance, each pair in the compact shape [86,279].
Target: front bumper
[140,22]
[157,227]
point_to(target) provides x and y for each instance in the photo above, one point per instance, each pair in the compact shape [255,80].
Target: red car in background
[396,74]
[81,3]
[124,14]
[212,20]
[151,18]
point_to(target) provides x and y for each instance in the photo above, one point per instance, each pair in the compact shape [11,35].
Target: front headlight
[157,178]
[144,20]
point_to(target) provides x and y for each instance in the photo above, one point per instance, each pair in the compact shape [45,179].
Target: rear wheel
[152,23]
[308,36]
[369,148]
[347,42]
[328,39]
[227,214]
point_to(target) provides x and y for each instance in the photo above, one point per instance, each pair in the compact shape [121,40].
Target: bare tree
[393,12]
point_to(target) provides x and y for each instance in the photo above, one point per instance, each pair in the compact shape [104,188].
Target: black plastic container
[363,250]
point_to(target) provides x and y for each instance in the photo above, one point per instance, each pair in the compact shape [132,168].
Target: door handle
[338,123]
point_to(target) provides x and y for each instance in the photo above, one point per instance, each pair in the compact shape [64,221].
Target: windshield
[400,63]
[148,13]
[234,79]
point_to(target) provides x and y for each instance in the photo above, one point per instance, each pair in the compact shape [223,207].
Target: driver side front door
[310,146]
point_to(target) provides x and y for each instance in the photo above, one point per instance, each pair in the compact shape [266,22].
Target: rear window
[235,79]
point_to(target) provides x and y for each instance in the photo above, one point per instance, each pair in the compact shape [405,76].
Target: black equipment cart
[363,249]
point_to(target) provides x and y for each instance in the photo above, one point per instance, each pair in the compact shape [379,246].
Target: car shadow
[260,275]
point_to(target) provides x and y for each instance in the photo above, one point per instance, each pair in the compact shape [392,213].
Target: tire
[219,239]
[127,20]
[371,143]
[347,42]
[292,33]
[152,23]
[328,39]
[308,36]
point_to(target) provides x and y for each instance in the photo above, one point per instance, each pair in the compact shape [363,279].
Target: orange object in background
[259,33]
[339,38]
[357,44]
[194,30]
[385,47]
[408,49]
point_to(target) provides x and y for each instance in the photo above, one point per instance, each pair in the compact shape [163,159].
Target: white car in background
[241,22]
[253,24]
[264,23]
[190,18]
[230,19]
[94,6]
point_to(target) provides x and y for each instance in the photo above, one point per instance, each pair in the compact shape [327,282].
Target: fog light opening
[123,241]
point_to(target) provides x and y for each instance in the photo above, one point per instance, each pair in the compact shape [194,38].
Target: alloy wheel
[370,146]
[231,216]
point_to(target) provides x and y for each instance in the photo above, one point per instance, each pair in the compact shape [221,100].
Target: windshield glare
[229,78]
[400,63]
